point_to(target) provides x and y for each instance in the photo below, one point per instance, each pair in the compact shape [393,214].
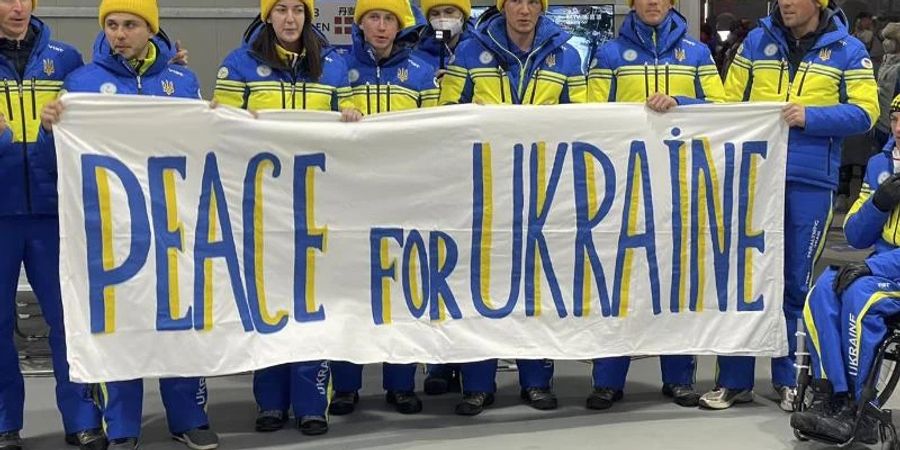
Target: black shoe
[270,420]
[473,403]
[835,427]
[406,402]
[441,382]
[123,444]
[436,385]
[10,440]
[539,398]
[72,439]
[312,425]
[603,398]
[93,439]
[343,403]
[682,394]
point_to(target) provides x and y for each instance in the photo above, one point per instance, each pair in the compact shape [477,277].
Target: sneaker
[682,394]
[198,439]
[343,403]
[90,439]
[539,398]
[603,398]
[473,403]
[786,395]
[123,444]
[271,420]
[10,440]
[406,402]
[724,398]
[312,425]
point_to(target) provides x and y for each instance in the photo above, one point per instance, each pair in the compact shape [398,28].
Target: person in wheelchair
[850,309]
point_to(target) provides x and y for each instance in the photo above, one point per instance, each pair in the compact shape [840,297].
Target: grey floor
[643,420]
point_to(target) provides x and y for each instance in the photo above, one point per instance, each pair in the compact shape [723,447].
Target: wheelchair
[878,387]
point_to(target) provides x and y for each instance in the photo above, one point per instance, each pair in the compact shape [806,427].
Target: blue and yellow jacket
[399,82]
[429,48]
[485,70]
[28,170]
[111,74]
[834,81]
[867,225]
[644,60]
[246,81]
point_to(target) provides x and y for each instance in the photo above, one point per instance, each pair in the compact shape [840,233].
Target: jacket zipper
[667,78]
[377,89]
[368,102]
[24,126]
[33,100]
[294,95]
[283,95]
[388,96]
[303,89]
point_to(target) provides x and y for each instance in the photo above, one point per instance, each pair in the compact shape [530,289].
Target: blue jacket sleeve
[885,264]
[863,229]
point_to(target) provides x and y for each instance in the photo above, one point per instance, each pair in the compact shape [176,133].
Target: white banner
[206,242]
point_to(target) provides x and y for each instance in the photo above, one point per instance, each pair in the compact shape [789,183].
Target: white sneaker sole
[192,445]
[744,397]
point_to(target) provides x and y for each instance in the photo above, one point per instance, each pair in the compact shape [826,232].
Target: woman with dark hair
[285,64]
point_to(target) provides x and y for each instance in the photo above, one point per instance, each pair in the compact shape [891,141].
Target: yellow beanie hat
[399,8]
[631,3]
[146,9]
[544,4]
[464,5]
[265,7]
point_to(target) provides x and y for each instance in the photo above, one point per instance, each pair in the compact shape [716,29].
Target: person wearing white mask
[449,23]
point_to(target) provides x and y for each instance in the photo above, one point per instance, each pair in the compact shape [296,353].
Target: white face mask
[448,23]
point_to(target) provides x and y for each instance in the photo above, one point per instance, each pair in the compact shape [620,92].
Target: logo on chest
[551,60]
[485,57]
[168,87]
[108,88]
[49,67]
[263,70]
[403,74]
[770,50]
[825,54]
[680,54]
[629,55]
